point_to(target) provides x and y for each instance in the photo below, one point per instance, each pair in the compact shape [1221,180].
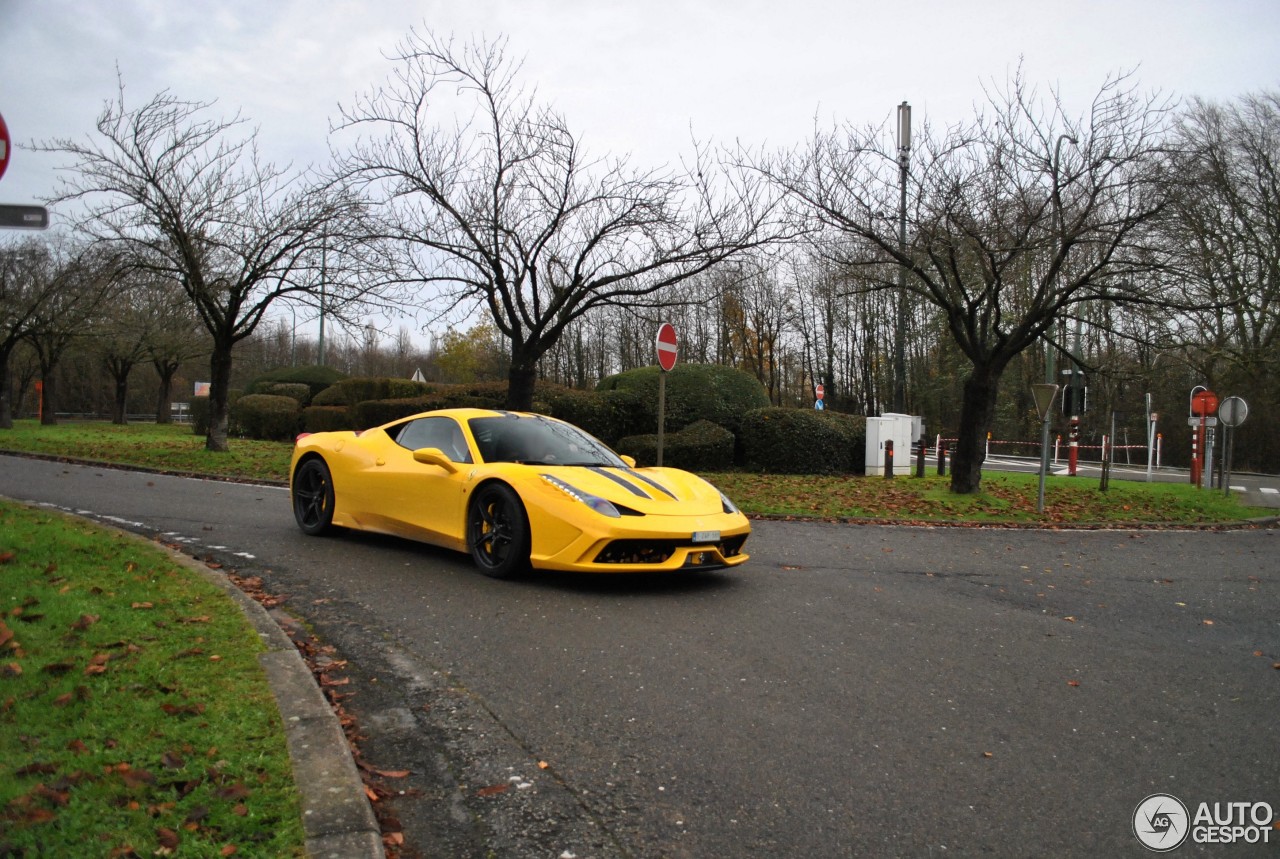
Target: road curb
[336,815]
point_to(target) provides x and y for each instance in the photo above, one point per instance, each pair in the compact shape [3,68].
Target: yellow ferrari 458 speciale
[515,490]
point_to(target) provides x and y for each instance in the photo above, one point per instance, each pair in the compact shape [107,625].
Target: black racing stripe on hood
[626,484]
[655,484]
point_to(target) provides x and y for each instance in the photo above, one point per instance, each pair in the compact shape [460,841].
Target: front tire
[313,497]
[498,531]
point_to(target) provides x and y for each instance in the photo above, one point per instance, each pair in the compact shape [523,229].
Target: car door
[426,501]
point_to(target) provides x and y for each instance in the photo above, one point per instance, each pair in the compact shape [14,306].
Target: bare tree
[176,338]
[496,206]
[1224,229]
[79,280]
[27,285]
[1013,219]
[143,321]
[182,197]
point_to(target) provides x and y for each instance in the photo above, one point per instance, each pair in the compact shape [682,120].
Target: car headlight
[603,506]
[729,506]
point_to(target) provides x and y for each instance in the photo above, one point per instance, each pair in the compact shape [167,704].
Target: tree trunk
[6,391]
[48,400]
[164,393]
[118,413]
[520,384]
[976,415]
[219,389]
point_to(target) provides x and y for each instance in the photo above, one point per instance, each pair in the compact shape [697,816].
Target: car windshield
[537,440]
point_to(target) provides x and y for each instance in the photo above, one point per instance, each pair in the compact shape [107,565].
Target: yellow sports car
[515,490]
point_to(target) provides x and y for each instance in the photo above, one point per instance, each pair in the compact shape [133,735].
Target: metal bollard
[942,460]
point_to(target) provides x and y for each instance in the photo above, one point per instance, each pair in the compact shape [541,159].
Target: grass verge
[135,719]
[1006,499]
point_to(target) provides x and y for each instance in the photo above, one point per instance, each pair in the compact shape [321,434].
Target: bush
[701,446]
[200,415]
[711,392]
[800,441]
[200,412]
[325,419]
[373,413]
[349,392]
[267,416]
[315,378]
[296,390]
[607,415]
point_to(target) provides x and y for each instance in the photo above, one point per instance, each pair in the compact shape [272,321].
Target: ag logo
[1161,822]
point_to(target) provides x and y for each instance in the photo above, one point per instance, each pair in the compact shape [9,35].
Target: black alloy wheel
[498,531]
[313,497]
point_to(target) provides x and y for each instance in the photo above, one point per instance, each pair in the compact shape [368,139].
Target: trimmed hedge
[200,415]
[349,392]
[373,413]
[722,395]
[267,416]
[297,390]
[800,441]
[325,419]
[200,411]
[316,379]
[701,446]
[607,415]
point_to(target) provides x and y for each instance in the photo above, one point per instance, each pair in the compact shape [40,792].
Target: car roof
[465,414]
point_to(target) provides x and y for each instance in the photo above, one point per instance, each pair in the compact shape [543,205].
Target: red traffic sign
[819,391]
[5,146]
[1204,404]
[666,346]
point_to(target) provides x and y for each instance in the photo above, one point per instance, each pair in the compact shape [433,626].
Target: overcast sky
[630,76]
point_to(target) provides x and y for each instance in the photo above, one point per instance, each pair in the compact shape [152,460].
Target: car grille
[658,551]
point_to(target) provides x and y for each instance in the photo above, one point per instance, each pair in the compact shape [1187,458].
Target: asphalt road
[852,691]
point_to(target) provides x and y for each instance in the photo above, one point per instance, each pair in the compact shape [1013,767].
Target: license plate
[706,536]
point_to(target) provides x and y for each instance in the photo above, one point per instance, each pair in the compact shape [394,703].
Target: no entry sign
[5,146]
[666,346]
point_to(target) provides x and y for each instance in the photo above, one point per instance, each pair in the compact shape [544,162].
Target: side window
[442,433]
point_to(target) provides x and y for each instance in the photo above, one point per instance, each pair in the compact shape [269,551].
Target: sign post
[1043,395]
[1232,412]
[1204,403]
[665,345]
[818,393]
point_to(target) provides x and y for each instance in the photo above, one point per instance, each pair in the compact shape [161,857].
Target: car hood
[652,491]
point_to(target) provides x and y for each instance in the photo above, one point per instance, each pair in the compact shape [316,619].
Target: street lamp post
[900,328]
[1057,231]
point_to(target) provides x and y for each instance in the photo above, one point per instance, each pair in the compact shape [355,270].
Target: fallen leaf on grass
[142,605]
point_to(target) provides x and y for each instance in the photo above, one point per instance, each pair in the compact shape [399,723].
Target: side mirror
[629,460]
[434,456]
